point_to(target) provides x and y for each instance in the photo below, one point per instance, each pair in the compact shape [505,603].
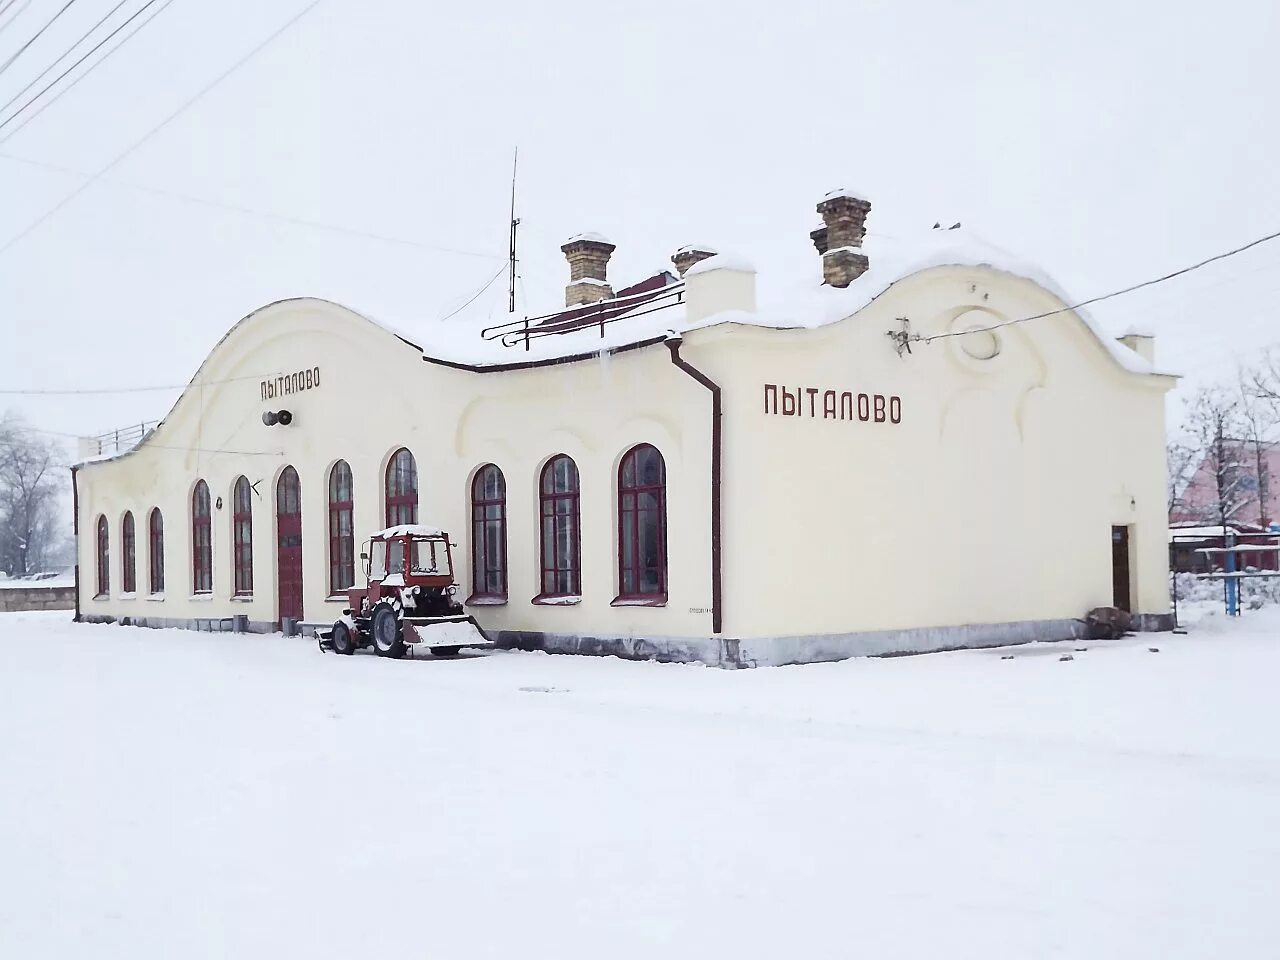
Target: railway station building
[889,458]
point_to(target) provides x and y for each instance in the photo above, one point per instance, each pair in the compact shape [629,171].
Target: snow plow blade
[450,632]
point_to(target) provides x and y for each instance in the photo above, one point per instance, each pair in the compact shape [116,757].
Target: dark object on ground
[1153,649]
[1108,623]
[1065,656]
[1007,657]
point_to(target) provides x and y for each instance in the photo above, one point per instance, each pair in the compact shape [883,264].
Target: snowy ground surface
[173,794]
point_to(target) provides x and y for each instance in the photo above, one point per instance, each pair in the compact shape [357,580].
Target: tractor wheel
[342,639]
[385,628]
[445,651]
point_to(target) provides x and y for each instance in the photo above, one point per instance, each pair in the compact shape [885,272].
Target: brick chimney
[588,255]
[840,240]
[690,254]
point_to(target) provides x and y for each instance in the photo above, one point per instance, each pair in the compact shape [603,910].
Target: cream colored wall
[992,500]
[377,394]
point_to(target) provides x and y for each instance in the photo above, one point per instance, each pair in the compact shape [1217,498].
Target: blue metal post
[1233,585]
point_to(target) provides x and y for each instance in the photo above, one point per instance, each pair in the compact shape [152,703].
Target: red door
[289,544]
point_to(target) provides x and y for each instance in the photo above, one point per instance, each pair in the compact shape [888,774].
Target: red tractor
[409,598]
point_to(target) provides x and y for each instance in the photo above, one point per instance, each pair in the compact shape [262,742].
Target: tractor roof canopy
[409,530]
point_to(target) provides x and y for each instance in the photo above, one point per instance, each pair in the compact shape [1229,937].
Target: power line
[905,338]
[23,49]
[16,15]
[93,66]
[187,104]
[45,72]
[78,391]
[475,296]
[250,211]
[151,445]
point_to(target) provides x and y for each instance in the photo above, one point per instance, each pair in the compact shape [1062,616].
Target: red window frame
[402,488]
[560,527]
[104,558]
[128,555]
[242,537]
[642,501]
[201,540]
[489,534]
[342,540]
[155,524]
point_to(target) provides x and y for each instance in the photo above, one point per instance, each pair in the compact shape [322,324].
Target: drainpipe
[75,535]
[717,592]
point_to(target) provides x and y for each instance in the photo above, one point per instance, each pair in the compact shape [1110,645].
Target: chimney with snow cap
[840,240]
[588,255]
[690,254]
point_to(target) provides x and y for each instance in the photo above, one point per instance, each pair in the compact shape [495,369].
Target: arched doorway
[289,545]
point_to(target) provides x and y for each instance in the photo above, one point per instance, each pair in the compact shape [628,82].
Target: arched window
[642,524]
[242,536]
[342,542]
[561,534]
[156,524]
[402,489]
[104,558]
[201,540]
[128,571]
[489,534]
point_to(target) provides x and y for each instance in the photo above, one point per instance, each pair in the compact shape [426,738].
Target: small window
[242,536]
[342,542]
[431,558]
[104,558]
[201,540]
[561,533]
[402,489]
[156,553]
[128,554]
[378,560]
[642,524]
[489,534]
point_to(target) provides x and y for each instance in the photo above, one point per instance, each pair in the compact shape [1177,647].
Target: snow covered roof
[805,304]
[410,530]
[844,192]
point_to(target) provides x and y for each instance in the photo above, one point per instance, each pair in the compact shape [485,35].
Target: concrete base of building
[814,648]
[726,652]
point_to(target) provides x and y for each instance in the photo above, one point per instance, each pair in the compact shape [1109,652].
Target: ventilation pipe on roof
[588,255]
[690,254]
[1143,344]
[840,239]
[717,284]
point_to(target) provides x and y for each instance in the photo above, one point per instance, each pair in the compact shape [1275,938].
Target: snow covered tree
[1223,485]
[1258,418]
[32,530]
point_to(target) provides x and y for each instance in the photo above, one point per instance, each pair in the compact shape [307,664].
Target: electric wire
[186,105]
[78,391]
[920,338]
[17,13]
[475,296]
[93,66]
[23,49]
[250,211]
[46,71]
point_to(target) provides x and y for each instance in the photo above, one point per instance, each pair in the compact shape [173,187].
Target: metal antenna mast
[511,280]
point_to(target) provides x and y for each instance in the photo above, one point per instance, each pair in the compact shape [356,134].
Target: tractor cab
[408,597]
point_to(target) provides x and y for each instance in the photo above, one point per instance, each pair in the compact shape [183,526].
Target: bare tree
[1258,418]
[1182,460]
[1223,485]
[31,481]
[1264,380]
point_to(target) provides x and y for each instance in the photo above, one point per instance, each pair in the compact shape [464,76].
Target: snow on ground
[174,794]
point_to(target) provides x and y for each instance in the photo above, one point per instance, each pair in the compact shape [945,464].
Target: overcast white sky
[1106,141]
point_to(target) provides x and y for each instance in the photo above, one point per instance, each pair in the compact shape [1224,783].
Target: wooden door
[289,544]
[1120,567]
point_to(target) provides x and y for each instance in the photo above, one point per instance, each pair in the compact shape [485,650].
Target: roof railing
[516,332]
